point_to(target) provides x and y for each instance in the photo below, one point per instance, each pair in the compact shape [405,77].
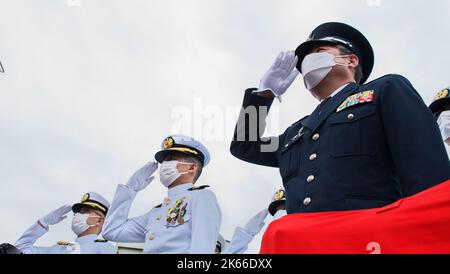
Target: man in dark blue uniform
[365,146]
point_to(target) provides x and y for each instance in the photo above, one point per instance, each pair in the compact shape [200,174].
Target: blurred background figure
[242,237]
[87,224]
[441,110]
[277,207]
[9,249]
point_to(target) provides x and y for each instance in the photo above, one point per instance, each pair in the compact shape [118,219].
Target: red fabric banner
[415,225]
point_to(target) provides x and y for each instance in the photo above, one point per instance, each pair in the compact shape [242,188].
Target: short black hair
[358,69]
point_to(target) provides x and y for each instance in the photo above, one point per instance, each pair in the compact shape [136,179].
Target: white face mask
[280,213]
[79,223]
[316,66]
[168,172]
[444,125]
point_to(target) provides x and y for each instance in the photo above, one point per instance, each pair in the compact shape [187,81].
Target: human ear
[354,61]
[193,168]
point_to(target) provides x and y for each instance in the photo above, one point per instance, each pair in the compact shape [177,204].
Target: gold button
[316,137]
[159,218]
[310,178]
[307,201]
[313,157]
[152,237]
[167,202]
[351,116]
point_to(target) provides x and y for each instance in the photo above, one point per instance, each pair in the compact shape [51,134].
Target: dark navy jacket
[364,156]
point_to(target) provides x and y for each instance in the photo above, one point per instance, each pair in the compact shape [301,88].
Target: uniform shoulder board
[198,188]
[158,206]
[101,241]
[65,243]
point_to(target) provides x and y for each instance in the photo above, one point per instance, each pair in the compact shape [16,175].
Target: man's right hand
[256,223]
[55,216]
[280,76]
[143,177]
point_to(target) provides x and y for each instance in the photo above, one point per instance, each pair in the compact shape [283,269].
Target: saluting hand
[55,216]
[280,76]
[256,223]
[143,177]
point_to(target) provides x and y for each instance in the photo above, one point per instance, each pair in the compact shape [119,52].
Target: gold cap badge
[85,197]
[168,143]
[442,94]
[279,195]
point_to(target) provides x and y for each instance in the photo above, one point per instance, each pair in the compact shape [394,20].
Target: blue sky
[91,89]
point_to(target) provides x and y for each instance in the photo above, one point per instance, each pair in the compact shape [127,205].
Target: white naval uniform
[82,245]
[239,243]
[197,235]
[242,238]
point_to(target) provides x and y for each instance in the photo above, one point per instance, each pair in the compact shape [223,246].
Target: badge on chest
[356,99]
[175,215]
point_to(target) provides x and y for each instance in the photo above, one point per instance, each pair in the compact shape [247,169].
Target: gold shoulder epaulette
[65,243]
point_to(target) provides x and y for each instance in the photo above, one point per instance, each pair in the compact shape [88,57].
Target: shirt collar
[179,189]
[336,91]
[86,239]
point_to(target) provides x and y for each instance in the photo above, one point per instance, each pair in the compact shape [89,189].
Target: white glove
[281,74]
[143,177]
[55,216]
[256,223]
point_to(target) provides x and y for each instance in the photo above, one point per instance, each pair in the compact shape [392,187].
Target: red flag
[415,225]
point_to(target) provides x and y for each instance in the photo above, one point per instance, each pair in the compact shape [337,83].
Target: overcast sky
[93,86]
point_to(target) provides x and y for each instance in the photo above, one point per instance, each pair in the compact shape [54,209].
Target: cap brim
[274,205]
[78,206]
[161,155]
[439,105]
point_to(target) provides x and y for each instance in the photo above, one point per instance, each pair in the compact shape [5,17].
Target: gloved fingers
[259,218]
[63,210]
[287,61]
[284,60]
[263,214]
[145,183]
[150,179]
[153,167]
[150,167]
[278,60]
[293,64]
[291,78]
